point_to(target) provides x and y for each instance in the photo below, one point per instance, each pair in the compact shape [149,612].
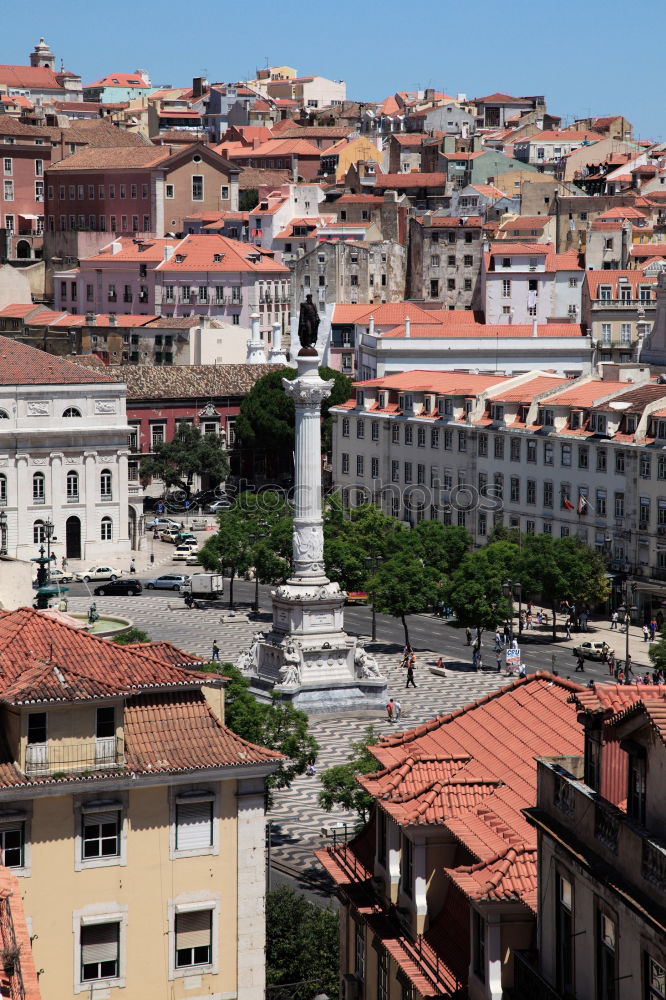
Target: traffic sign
[159,507]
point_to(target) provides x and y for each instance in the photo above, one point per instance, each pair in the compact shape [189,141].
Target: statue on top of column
[308,325]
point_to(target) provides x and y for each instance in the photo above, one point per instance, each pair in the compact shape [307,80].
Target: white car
[193,558]
[183,551]
[98,573]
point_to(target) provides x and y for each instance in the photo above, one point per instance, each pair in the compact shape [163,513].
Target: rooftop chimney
[535,328]
[113,319]
[371,326]
[276,355]
[90,318]
[167,252]
[255,345]
[116,246]
[408,327]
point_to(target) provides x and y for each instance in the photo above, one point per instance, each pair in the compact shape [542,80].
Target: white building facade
[63,458]
[538,452]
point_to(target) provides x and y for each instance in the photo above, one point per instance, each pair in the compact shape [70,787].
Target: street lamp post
[508,587]
[373,562]
[3,533]
[49,529]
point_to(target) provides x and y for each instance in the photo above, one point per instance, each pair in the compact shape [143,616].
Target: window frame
[194,903]
[191,795]
[82,805]
[94,915]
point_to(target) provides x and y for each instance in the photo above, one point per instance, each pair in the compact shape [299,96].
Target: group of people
[393,710]
[409,664]
[650,630]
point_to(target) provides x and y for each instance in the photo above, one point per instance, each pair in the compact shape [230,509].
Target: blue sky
[584,57]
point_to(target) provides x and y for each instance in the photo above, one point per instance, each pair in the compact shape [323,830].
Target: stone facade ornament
[38,408]
[105,406]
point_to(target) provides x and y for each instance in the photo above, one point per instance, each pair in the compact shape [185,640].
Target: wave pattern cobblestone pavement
[296,817]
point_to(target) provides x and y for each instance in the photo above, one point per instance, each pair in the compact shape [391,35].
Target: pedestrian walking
[611,663]
[605,648]
[133,566]
[614,618]
[498,638]
[507,633]
[653,629]
[468,635]
[216,652]
[522,670]
[514,644]
[580,666]
[646,633]
[63,563]
[397,710]
[620,676]
[410,676]
[498,658]
[567,626]
[389,709]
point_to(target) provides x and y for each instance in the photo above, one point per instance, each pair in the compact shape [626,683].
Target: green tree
[130,637]
[302,946]
[189,453]
[475,590]
[403,585]
[657,651]
[561,569]
[339,784]
[276,725]
[267,418]
[229,550]
[356,540]
[248,199]
[442,546]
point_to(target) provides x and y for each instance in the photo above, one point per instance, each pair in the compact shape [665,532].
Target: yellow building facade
[133,819]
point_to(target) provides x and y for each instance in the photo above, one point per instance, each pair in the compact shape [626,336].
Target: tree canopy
[189,453]
[403,585]
[339,784]
[475,590]
[276,725]
[302,946]
[267,417]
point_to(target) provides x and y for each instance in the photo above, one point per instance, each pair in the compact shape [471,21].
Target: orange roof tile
[452,221]
[414,179]
[648,250]
[23,365]
[446,383]
[198,252]
[501,331]
[525,393]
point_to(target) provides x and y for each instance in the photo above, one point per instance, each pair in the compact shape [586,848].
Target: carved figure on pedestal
[365,664]
[308,545]
[290,671]
[247,661]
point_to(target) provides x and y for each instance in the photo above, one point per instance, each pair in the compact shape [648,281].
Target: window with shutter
[101,834]
[12,839]
[193,938]
[194,824]
[99,951]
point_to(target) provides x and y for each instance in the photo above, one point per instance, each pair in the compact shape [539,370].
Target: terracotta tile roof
[570,260]
[618,212]
[23,983]
[126,80]
[648,250]
[488,190]
[179,732]
[446,383]
[588,393]
[499,99]
[45,317]
[18,311]
[198,254]
[317,132]
[167,652]
[23,365]
[527,222]
[189,381]
[385,314]
[113,158]
[502,331]
[614,699]
[182,322]
[282,147]
[631,279]
[511,875]
[30,78]
[525,393]
[564,137]
[255,177]
[150,250]
[409,140]
[98,132]
[414,179]
[359,199]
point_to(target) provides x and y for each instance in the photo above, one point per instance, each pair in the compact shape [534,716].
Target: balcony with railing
[11,953]
[600,304]
[590,823]
[61,757]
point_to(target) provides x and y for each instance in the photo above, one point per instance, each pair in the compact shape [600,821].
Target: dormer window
[179,258]
[382,400]
[217,258]
[545,417]
[522,414]
[497,411]
[631,425]
[661,429]
[605,292]
[575,420]
[469,404]
[445,406]
[360,397]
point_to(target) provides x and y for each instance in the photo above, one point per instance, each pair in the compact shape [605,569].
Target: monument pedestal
[307,656]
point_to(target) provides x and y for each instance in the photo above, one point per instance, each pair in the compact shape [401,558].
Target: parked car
[98,573]
[590,650]
[217,505]
[161,522]
[193,558]
[186,538]
[128,587]
[170,534]
[357,597]
[183,551]
[169,581]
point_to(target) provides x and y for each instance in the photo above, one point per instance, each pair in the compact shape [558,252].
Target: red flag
[566,502]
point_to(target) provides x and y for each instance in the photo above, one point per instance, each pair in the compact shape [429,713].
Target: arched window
[38,533]
[38,488]
[4,415]
[72,411]
[3,490]
[72,487]
[107,529]
[105,482]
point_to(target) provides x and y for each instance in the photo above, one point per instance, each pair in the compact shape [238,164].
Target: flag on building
[582,504]
[566,502]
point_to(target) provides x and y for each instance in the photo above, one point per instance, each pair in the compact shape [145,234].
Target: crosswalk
[295,816]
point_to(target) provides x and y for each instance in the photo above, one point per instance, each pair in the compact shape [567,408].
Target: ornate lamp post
[509,587]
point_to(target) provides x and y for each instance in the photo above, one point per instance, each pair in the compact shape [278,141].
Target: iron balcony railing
[54,756]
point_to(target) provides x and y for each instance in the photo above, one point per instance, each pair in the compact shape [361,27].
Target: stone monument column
[308,392]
